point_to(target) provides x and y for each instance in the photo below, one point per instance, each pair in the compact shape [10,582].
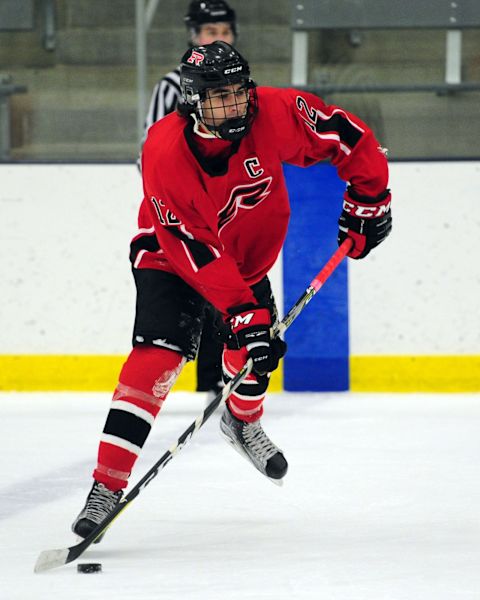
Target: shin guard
[145,380]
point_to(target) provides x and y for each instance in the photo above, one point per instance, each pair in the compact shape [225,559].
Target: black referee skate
[100,503]
[252,442]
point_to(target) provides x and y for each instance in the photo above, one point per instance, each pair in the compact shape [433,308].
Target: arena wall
[405,319]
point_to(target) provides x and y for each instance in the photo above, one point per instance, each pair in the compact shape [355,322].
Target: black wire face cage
[229,111]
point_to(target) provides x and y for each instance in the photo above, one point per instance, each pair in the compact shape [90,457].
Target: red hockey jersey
[221,226]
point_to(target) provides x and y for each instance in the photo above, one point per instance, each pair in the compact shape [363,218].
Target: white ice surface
[382,502]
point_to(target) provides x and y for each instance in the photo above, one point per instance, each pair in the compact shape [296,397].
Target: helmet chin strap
[201,129]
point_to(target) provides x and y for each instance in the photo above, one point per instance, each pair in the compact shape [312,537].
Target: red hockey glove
[366,220]
[250,328]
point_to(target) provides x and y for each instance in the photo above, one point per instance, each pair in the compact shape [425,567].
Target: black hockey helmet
[209,11]
[215,66]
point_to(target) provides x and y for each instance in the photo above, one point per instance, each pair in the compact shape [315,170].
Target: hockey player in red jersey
[212,222]
[206,21]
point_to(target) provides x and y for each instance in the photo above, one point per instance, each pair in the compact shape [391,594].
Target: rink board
[404,319]
[318,345]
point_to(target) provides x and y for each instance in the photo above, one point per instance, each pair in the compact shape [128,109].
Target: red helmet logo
[196,57]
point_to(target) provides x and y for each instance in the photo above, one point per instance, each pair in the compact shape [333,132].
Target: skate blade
[243,454]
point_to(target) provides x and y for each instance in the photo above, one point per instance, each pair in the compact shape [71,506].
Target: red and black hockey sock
[145,380]
[246,402]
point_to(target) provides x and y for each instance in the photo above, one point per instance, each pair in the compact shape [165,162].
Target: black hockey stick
[50,559]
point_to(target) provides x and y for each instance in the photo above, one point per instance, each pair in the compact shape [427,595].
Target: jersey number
[165,216]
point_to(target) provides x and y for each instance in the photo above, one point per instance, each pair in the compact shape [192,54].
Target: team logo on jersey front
[246,197]
[196,57]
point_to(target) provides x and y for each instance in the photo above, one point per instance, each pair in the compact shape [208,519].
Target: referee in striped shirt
[206,21]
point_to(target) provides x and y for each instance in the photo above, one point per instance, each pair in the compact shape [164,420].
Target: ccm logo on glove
[366,212]
[366,220]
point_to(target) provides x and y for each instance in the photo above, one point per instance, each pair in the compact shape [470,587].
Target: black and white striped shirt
[164,99]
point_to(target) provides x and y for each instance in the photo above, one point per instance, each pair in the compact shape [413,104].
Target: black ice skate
[100,503]
[252,442]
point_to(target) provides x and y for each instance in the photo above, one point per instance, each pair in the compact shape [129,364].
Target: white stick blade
[278,482]
[50,559]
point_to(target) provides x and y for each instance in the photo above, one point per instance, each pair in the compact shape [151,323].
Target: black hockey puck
[89,568]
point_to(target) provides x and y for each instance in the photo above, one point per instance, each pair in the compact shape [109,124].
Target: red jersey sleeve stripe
[189,256]
[338,123]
